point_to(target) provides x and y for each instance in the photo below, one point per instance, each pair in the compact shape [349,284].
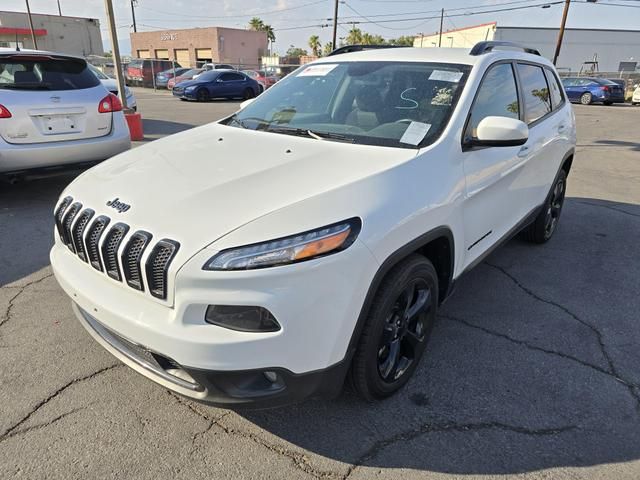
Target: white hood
[196,186]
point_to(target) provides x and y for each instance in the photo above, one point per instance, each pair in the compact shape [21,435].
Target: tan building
[73,35]
[458,38]
[195,46]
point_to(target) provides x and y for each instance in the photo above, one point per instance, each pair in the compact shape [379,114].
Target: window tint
[535,92]
[231,77]
[497,96]
[28,72]
[556,90]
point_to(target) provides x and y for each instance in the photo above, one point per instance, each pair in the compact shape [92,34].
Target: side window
[557,98]
[497,96]
[535,92]
[226,77]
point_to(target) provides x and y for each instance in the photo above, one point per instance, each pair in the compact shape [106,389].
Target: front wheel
[202,95]
[397,329]
[248,93]
[586,98]
[545,224]
[608,103]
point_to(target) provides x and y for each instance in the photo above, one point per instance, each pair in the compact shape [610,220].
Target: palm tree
[327,49]
[268,29]
[256,24]
[315,45]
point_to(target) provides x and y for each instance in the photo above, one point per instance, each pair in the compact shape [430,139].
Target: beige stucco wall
[72,35]
[462,38]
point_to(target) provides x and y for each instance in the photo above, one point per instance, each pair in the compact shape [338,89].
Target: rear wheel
[586,98]
[608,103]
[202,95]
[397,329]
[248,93]
[545,224]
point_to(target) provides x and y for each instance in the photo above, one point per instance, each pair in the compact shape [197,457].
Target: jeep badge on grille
[118,205]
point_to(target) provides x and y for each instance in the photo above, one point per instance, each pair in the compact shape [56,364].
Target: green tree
[406,41]
[327,49]
[296,52]
[256,24]
[354,37]
[315,45]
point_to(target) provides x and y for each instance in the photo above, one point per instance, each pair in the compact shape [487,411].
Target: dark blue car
[218,84]
[587,90]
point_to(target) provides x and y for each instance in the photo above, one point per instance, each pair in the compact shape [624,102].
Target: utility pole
[33,33]
[59,10]
[561,33]
[113,36]
[441,22]
[335,25]
[133,14]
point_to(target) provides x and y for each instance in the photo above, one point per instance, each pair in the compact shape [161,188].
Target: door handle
[562,128]
[524,152]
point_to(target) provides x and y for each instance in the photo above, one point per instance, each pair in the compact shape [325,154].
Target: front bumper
[16,158]
[317,304]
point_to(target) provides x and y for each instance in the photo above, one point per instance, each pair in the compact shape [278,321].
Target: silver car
[54,112]
[112,85]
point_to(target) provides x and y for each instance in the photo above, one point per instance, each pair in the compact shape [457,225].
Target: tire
[608,103]
[546,223]
[202,95]
[586,98]
[248,93]
[396,332]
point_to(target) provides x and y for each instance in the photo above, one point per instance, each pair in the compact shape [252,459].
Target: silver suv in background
[55,112]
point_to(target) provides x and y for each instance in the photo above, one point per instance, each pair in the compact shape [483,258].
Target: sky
[295,20]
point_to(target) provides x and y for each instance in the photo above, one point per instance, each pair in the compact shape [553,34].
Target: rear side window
[45,73]
[537,102]
[232,77]
[557,98]
[497,96]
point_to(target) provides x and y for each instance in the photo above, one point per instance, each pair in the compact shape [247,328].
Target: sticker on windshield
[317,70]
[415,133]
[445,76]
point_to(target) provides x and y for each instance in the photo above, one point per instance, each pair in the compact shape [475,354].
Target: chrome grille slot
[131,258]
[77,233]
[94,234]
[158,265]
[110,250]
[67,221]
[59,214]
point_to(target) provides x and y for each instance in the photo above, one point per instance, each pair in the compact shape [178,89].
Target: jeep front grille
[131,259]
[157,266]
[82,234]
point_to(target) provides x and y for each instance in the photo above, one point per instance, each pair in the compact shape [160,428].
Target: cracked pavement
[533,370]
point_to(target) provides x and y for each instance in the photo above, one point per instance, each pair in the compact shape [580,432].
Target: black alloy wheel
[248,93]
[546,222]
[202,95]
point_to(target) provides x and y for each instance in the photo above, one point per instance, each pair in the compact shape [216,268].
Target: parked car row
[588,90]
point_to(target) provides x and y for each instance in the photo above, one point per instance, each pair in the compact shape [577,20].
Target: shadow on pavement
[161,128]
[534,364]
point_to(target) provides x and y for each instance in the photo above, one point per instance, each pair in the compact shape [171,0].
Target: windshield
[398,104]
[24,72]
[208,76]
[192,72]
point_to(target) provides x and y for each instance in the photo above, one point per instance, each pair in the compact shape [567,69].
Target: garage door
[144,54]
[162,54]
[182,57]
[203,54]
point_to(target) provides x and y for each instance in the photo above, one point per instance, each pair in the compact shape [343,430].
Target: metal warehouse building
[608,47]
[73,35]
[195,46]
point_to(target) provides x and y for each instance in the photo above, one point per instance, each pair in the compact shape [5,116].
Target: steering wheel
[404,120]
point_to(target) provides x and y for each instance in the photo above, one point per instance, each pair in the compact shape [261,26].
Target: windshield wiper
[305,132]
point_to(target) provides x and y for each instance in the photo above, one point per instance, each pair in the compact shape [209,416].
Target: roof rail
[481,48]
[360,48]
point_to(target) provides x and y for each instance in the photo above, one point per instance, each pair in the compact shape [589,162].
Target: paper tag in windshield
[415,133]
[317,70]
[445,76]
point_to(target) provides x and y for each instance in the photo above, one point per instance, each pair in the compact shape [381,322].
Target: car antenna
[17,44]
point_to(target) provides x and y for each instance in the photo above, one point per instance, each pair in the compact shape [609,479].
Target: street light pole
[59,9]
[33,33]
[441,22]
[133,14]
[561,33]
[113,36]
[335,24]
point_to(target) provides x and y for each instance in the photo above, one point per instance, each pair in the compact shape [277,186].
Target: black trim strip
[480,239]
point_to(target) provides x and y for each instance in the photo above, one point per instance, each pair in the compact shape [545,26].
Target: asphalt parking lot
[533,370]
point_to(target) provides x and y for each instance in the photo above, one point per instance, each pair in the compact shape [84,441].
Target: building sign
[164,37]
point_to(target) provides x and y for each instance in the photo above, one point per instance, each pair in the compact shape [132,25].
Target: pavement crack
[39,426]
[426,428]
[612,370]
[610,207]
[10,431]
[299,460]
[7,314]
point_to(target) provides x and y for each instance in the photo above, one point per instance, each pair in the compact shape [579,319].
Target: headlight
[296,248]
[190,89]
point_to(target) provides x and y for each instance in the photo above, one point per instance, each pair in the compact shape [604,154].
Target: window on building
[537,102]
[497,96]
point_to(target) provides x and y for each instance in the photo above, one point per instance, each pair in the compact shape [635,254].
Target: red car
[185,76]
[142,71]
[261,77]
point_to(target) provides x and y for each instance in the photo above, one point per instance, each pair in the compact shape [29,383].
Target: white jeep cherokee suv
[314,233]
